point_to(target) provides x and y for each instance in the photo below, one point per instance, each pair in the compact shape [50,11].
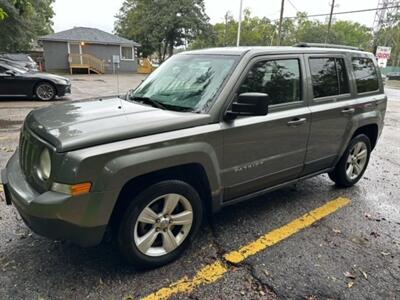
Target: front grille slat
[22,151]
[29,151]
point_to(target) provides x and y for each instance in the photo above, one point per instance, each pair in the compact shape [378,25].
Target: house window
[127,53]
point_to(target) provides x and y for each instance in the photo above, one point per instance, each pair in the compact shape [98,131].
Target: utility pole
[280,23]
[330,21]
[226,27]
[384,19]
[239,24]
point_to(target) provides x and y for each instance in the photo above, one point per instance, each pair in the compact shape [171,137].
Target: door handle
[348,110]
[297,121]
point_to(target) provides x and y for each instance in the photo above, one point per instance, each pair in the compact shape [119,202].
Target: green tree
[161,25]
[263,32]
[25,20]
[3,14]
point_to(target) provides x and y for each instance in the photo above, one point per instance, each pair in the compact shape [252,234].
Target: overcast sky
[100,13]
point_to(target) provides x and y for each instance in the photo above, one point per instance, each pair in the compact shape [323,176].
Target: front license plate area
[5,194]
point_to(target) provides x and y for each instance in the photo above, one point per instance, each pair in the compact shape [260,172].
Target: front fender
[118,171]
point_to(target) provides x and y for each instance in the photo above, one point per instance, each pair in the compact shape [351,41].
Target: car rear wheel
[160,223]
[353,163]
[45,91]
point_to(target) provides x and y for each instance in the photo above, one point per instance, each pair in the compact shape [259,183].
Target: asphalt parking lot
[307,241]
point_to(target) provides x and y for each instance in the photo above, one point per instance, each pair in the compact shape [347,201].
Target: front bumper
[82,219]
[62,89]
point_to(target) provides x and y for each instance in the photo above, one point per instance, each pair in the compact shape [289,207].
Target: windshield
[15,69]
[187,82]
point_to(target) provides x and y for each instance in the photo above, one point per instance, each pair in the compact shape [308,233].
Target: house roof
[89,35]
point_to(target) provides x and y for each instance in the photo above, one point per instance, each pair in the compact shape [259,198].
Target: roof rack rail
[321,45]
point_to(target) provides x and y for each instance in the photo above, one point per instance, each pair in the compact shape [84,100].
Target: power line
[344,12]
[290,2]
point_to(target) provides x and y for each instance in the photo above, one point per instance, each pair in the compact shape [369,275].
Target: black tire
[339,175]
[45,91]
[126,230]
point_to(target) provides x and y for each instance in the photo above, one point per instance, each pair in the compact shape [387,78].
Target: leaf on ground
[350,284]
[364,274]
[375,234]
[349,275]
[6,149]
[385,253]
[337,231]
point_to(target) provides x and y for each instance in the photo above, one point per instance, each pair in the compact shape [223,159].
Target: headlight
[44,167]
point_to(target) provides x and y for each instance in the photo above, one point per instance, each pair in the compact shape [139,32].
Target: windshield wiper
[150,101]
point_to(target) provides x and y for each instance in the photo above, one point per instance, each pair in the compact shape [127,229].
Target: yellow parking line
[216,270]
[206,275]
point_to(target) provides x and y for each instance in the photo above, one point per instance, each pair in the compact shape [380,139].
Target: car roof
[271,50]
[4,65]
[15,56]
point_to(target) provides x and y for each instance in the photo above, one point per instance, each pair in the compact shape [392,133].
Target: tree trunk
[159,53]
[164,51]
[170,48]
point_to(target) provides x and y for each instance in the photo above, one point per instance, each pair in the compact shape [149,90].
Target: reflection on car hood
[80,124]
[43,75]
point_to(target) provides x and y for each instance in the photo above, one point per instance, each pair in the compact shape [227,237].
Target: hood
[43,75]
[80,124]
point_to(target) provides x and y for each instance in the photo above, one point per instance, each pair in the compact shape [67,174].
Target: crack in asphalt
[268,289]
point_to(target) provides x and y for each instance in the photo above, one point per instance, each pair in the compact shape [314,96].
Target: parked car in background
[393,76]
[19,60]
[21,82]
[12,63]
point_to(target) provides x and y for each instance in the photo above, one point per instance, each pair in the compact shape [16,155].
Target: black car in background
[19,60]
[21,82]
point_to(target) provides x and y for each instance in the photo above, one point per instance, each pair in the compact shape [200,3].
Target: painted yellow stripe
[286,231]
[206,275]
[216,270]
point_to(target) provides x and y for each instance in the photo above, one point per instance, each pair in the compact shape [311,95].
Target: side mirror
[10,72]
[128,94]
[249,104]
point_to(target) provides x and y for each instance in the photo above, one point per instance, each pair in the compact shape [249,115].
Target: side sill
[272,188]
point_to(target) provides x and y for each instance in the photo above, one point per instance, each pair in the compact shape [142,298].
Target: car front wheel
[45,91]
[353,163]
[160,223]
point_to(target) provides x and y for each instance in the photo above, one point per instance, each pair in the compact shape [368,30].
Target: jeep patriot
[207,129]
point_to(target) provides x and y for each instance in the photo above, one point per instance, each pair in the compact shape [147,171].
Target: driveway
[307,241]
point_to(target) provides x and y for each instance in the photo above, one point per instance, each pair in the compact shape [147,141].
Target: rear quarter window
[365,74]
[329,76]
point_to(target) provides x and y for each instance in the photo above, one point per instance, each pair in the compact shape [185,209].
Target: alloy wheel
[45,92]
[163,225]
[357,160]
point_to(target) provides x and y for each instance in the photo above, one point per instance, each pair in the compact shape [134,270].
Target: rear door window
[280,79]
[329,76]
[365,74]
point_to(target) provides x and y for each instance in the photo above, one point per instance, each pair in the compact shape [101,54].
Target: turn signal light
[73,189]
[80,188]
